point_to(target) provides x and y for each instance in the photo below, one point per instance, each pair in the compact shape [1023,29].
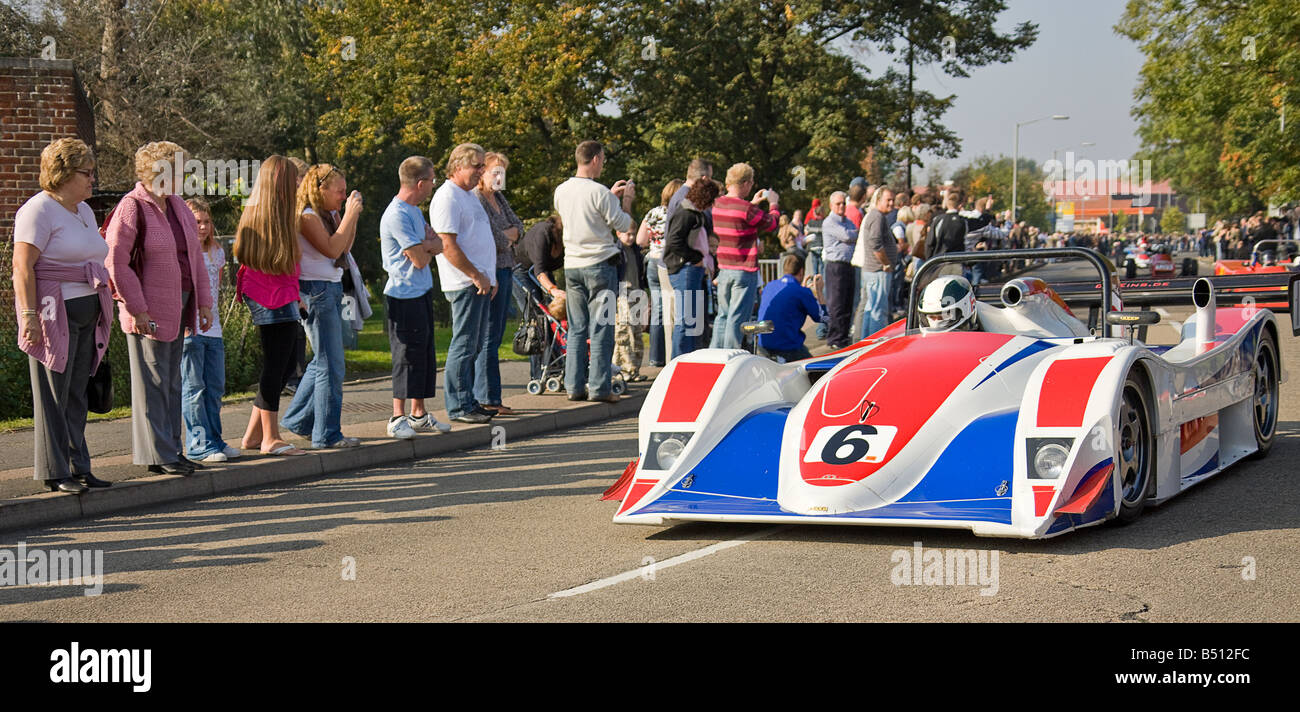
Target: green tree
[1173,222]
[956,34]
[1212,94]
[986,175]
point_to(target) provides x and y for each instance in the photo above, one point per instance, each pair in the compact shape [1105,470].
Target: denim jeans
[737,292]
[487,367]
[657,346]
[469,324]
[317,406]
[592,299]
[203,382]
[875,301]
[688,294]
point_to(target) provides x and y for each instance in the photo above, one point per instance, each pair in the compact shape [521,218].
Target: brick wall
[40,101]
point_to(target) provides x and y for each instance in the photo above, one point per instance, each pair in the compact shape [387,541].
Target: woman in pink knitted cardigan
[159,279]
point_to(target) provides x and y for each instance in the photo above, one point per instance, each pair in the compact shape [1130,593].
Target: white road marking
[661,565]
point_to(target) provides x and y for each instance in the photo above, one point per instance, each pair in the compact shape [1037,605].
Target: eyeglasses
[87,173]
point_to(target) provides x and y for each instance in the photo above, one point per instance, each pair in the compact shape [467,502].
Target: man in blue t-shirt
[408,245]
[787,303]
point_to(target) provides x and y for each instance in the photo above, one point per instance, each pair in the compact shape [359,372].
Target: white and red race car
[1037,425]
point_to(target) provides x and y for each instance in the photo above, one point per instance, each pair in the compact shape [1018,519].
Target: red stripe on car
[1043,499]
[639,488]
[1066,389]
[688,389]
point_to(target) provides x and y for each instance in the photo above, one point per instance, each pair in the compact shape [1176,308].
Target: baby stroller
[555,348]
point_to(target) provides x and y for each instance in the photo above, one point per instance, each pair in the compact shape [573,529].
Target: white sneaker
[232,452]
[401,429]
[216,457]
[427,424]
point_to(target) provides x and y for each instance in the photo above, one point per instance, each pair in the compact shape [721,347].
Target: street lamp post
[1015,158]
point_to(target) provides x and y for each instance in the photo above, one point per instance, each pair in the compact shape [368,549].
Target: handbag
[99,389]
[530,337]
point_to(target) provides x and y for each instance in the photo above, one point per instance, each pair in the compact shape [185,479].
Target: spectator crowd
[687,273]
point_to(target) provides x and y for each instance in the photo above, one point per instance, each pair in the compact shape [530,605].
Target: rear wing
[1277,291]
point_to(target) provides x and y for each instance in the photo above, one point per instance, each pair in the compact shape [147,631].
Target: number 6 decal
[845,445]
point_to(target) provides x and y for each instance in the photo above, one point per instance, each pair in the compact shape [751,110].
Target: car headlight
[668,452]
[664,450]
[1048,457]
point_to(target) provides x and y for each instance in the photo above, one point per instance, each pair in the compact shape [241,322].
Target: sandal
[285,449]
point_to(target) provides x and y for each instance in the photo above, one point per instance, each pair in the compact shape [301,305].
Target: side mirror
[1132,318]
[750,328]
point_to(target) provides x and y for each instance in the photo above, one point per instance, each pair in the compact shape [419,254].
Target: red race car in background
[1267,256]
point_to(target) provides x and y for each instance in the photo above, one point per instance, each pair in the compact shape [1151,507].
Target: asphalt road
[495,535]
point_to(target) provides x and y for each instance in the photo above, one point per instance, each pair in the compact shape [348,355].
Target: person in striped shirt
[737,221]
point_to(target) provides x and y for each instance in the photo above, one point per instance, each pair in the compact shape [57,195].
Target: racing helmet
[948,304]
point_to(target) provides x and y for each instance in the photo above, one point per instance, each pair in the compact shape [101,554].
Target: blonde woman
[317,407]
[64,310]
[266,245]
[507,229]
[163,292]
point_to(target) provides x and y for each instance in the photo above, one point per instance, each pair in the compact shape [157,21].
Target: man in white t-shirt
[591,214]
[467,270]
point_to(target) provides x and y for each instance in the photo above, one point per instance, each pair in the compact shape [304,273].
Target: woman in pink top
[160,281]
[266,246]
[64,310]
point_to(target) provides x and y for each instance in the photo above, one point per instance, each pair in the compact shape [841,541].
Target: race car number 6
[843,445]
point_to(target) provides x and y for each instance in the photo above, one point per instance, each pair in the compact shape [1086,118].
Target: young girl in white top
[203,357]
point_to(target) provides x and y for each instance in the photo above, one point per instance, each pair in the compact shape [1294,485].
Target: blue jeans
[688,291]
[592,299]
[657,346]
[203,382]
[875,301]
[469,326]
[317,405]
[487,367]
[737,292]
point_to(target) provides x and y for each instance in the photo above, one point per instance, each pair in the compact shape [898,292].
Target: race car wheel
[1135,457]
[1266,394]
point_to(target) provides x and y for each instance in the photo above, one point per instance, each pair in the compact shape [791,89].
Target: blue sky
[1078,67]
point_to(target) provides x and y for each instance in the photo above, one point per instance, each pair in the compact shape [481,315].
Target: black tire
[1135,449]
[1190,267]
[1265,401]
